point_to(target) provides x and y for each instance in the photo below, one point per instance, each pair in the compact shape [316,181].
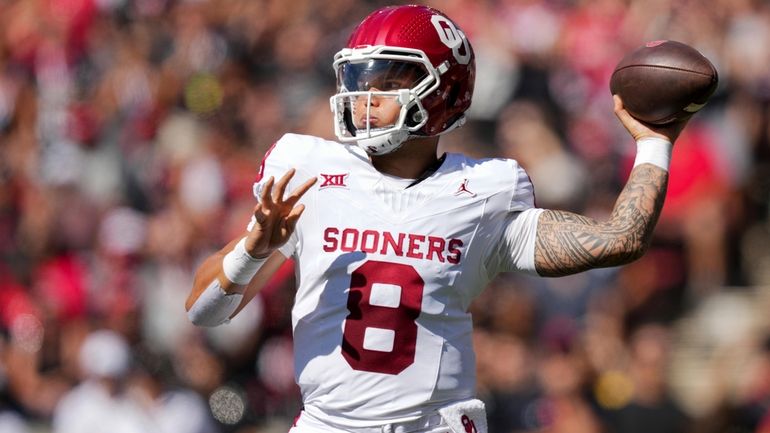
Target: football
[664,81]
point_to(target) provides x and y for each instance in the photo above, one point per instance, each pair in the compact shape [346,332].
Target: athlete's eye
[392,85]
[388,84]
[383,75]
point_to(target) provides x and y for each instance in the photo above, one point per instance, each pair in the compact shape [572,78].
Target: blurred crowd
[130,135]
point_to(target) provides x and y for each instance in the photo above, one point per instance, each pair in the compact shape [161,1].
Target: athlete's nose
[374,100]
[369,99]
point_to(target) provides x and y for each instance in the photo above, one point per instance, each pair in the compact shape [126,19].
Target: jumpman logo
[464,189]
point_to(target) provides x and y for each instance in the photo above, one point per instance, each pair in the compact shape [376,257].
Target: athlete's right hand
[639,129]
[276,216]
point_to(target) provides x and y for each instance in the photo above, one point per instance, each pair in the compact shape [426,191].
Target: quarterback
[392,241]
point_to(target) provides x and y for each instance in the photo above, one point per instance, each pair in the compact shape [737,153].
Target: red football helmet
[414,55]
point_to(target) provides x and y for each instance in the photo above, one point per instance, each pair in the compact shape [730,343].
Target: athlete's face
[382,111]
[375,110]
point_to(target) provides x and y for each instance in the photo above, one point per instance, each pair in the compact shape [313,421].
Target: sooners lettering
[337,180]
[412,245]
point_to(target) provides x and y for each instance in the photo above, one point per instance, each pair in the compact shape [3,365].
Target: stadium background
[130,133]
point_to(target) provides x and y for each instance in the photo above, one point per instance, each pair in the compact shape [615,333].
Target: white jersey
[386,275]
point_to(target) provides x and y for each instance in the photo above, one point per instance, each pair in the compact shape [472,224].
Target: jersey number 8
[393,321]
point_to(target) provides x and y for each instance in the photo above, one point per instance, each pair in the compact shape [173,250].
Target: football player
[395,241]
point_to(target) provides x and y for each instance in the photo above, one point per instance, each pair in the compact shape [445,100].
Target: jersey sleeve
[524,193]
[276,162]
[284,154]
[515,250]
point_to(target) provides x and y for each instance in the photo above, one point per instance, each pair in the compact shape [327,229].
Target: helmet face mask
[366,77]
[413,60]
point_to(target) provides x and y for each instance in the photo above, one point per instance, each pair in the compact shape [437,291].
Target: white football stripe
[692,108]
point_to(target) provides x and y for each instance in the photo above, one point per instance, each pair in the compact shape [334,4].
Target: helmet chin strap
[384,144]
[391,142]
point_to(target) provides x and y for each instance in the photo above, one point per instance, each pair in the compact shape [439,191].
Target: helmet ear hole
[451,98]
[414,116]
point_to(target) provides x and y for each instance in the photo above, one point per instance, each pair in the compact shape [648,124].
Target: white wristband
[653,150]
[238,266]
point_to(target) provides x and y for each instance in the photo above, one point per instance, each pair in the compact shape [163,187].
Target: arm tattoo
[568,243]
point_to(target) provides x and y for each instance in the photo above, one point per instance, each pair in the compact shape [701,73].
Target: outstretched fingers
[290,222]
[274,208]
[276,216]
[273,193]
[280,187]
[259,216]
[265,196]
[300,191]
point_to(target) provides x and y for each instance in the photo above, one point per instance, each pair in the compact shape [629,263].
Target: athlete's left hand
[276,215]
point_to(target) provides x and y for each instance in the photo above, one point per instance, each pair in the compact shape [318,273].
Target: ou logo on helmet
[453,38]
